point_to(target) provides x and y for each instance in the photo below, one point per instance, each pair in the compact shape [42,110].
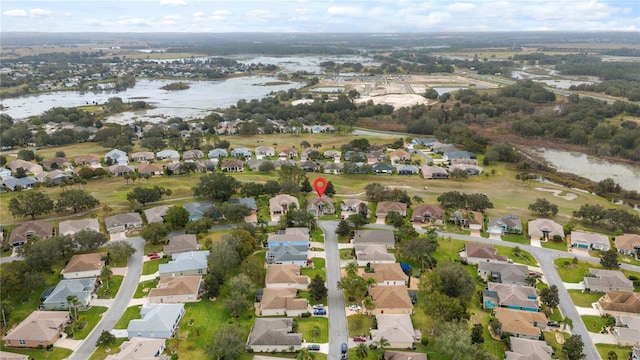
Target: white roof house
[71,227]
[159,321]
[116,157]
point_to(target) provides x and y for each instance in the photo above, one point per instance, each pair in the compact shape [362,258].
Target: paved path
[338,320]
[111,316]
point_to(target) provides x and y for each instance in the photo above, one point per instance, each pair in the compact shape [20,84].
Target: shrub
[305,314]
[424,341]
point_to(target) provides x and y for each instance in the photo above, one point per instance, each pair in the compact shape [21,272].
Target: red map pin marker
[321,185]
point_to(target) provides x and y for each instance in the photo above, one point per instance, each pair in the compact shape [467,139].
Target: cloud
[40,13]
[131,21]
[173,3]
[34,13]
[460,7]
[344,10]
[301,11]
[15,13]
[261,14]
[221,13]
[173,17]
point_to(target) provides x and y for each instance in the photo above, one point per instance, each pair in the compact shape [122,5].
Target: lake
[592,168]
[199,100]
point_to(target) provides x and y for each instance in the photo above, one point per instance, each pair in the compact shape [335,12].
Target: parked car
[318,306]
[553,324]
[153,256]
[320,312]
[359,338]
[354,307]
[344,349]
[314,347]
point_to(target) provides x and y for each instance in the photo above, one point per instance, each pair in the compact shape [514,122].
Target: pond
[592,168]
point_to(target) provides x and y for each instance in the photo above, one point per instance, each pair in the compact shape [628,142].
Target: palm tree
[106,275]
[305,354]
[417,199]
[351,268]
[566,322]
[368,305]
[362,351]
[72,300]
[383,343]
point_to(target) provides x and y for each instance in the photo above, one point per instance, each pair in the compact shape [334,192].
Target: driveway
[111,316]
[587,311]
[335,300]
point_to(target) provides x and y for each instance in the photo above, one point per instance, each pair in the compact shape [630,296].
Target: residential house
[319,206]
[57,163]
[171,155]
[627,330]
[158,321]
[180,244]
[287,153]
[513,274]
[4,173]
[80,288]
[387,274]
[176,168]
[506,224]
[120,170]
[457,154]
[235,165]
[151,169]
[285,276]
[91,160]
[15,184]
[84,266]
[156,214]
[382,168]
[241,153]
[521,324]
[179,289]
[423,141]
[620,303]
[385,207]
[397,329]
[379,237]
[523,349]
[475,253]
[25,231]
[403,355]
[273,335]
[55,177]
[369,254]
[116,156]
[254,164]
[123,222]
[143,156]
[206,165]
[399,155]
[197,210]
[352,205]
[607,280]
[471,170]
[185,264]
[333,168]
[280,204]
[71,227]
[509,296]
[332,154]
[191,155]
[288,254]
[289,236]
[391,300]
[406,169]
[309,166]
[306,154]
[433,172]
[282,302]
[29,167]
[139,348]
[589,241]
[441,148]
[249,202]
[428,213]
[544,229]
[218,153]
[39,329]
[628,244]
[12,356]
[265,150]
[283,162]
[356,156]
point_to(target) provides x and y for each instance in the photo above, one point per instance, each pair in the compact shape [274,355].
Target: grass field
[101,352]
[151,266]
[317,269]
[523,257]
[54,354]
[140,290]
[306,326]
[573,273]
[622,351]
[594,323]
[359,324]
[92,317]
[114,286]
[515,238]
[550,338]
[556,245]
[132,312]
[584,299]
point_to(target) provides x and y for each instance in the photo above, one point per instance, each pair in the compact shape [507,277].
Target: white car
[354,307]
[318,306]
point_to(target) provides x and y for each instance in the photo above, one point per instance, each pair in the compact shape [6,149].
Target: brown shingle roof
[282,298]
[386,272]
[386,297]
[384,207]
[483,251]
[520,322]
[623,301]
[39,326]
[628,242]
[181,243]
[23,231]
[285,273]
[84,262]
[179,285]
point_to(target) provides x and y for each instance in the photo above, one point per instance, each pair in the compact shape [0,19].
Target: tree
[549,296]
[77,200]
[234,213]
[394,218]
[591,213]
[441,307]
[26,155]
[272,187]
[305,354]
[362,351]
[458,174]
[495,326]
[155,232]
[228,342]
[573,347]
[252,189]
[609,259]
[306,185]
[354,287]
[106,274]
[39,255]
[368,304]
[106,339]
[305,144]
[72,301]
[213,282]
[351,269]
[611,355]
[456,282]
[330,190]
[544,208]
[353,94]
[476,334]
[217,186]
[343,228]
[317,290]
[32,203]
[418,248]
[144,195]
[120,251]
[292,174]
[199,226]
[177,217]
[237,303]
[455,343]
[266,166]
[153,143]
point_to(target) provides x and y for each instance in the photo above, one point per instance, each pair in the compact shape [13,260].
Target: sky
[318,16]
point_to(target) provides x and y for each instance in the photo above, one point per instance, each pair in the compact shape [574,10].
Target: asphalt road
[111,316]
[337,315]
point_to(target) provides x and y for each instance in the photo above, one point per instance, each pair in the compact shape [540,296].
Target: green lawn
[584,299]
[346,254]
[622,351]
[556,245]
[54,354]
[573,273]
[520,239]
[448,249]
[114,286]
[360,324]
[101,352]
[550,338]
[523,258]
[305,327]
[140,290]
[317,268]
[132,312]
[151,267]
[317,235]
[305,295]
[594,324]
[92,317]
